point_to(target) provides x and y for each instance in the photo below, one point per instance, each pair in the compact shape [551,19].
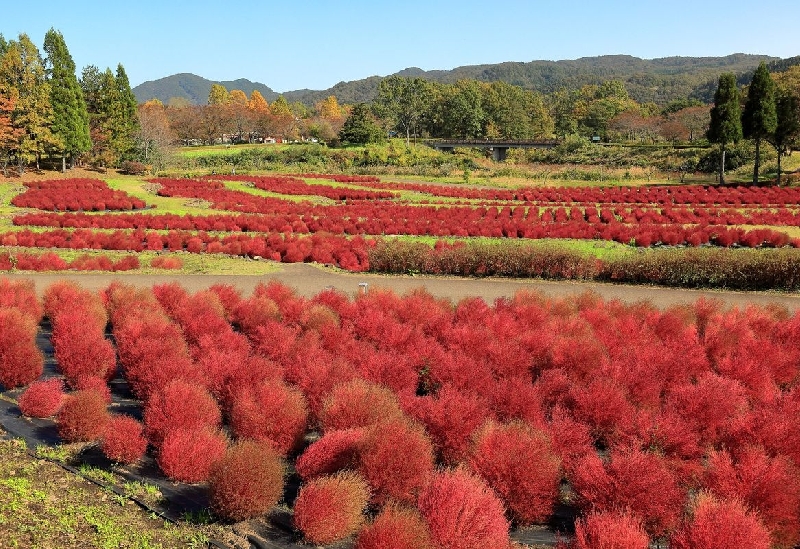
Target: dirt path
[309,280]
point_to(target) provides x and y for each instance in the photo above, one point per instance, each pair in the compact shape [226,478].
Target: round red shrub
[397,461]
[124,440]
[358,403]
[83,416]
[187,455]
[334,451]
[395,528]
[270,412]
[462,512]
[21,294]
[179,405]
[329,509]
[21,362]
[42,398]
[519,464]
[718,524]
[609,531]
[95,383]
[247,482]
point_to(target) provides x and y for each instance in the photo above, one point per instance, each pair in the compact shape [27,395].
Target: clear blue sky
[315,44]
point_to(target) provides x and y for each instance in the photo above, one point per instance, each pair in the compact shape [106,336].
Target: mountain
[194,89]
[659,80]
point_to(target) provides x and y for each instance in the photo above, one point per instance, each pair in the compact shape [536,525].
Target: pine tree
[128,111]
[759,118]
[70,117]
[726,120]
[787,129]
[360,127]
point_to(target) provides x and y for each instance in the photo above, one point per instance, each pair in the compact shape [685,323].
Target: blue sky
[315,44]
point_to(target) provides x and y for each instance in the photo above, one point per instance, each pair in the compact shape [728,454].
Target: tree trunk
[63,163]
[756,166]
[722,166]
[779,167]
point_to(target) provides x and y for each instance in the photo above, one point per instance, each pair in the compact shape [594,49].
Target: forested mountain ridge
[658,80]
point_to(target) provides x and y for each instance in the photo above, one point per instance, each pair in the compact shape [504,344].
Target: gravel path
[309,279]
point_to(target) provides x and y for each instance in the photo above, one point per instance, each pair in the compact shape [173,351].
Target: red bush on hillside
[21,294]
[42,398]
[164,262]
[609,530]
[462,512]
[395,528]
[720,523]
[768,486]
[397,460]
[21,362]
[187,454]
[358,403]
[179,405]
[80,347]
[329,509]
[270,412]
[518,463]
[83,417]
[123,440]
[639,482]
[247,481]
[334,451]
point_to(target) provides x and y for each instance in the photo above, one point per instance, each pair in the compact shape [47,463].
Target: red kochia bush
[358,403]
[21,362]
[395,528]
[83,417]
[718,524]
[20,294]
[609,531]
[187,455]
[247,481]
[329,509]
[462,512]
[334,451]
[397,460]
[124,440]
[179,405]
[270,412]
[81,348]
[518,463]
[42,398]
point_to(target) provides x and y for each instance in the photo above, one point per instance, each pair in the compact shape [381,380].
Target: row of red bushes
[75,195]
[21,362]
[298,187]
[49,261]
[509,399]
[350,254]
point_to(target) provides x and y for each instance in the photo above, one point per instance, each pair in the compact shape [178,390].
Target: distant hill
[194,88]
[658,80]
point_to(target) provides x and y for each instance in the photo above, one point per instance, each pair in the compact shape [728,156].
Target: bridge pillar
[499,153]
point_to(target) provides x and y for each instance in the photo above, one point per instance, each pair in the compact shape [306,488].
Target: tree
[257,103]
[22,74]
[726,121]
[463,113]
[128,111]
[70,117]
[218,95]
[759,118]
[405,101]
[155,136]
[360,127]
[9,134]
[787,130]
[329,109]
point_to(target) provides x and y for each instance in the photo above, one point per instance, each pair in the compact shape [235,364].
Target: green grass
[212,150]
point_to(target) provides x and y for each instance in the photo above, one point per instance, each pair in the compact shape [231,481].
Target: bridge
[499,147]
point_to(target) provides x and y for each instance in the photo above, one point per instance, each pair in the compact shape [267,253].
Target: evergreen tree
[128,111]
[726,120]
[360,127]
[759,118]
[787,128]
[70,118]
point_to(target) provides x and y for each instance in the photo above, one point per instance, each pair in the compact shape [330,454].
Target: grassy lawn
[43,506]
